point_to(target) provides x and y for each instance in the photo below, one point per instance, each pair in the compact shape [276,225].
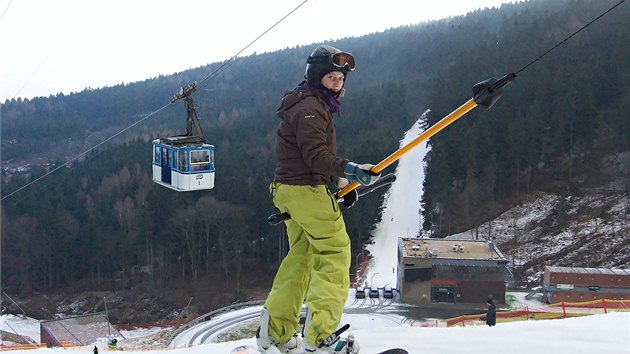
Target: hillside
[99,225]
[587,230]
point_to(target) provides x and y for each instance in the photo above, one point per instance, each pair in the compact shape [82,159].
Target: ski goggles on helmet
[340,60]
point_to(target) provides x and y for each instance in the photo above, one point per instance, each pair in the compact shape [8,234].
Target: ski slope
[401,213]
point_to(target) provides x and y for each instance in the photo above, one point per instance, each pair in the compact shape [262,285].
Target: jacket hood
[291,98]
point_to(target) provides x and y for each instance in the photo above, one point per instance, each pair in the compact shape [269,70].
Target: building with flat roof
[572,284]
[440,270]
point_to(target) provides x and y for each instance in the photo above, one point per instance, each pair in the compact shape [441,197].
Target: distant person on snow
[491,314]
[95,350]
[316,268]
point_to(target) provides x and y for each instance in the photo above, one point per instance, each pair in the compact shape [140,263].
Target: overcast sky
[52,46]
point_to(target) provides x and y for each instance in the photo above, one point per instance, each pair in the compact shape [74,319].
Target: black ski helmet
[325,59]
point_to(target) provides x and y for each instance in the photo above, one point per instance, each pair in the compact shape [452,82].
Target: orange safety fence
[361,268]
[21,346]
[509,316]
[568,309]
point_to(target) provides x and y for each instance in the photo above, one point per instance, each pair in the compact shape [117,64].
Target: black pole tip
[486,93]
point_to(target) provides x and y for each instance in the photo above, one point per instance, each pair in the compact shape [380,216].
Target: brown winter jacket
[306,141]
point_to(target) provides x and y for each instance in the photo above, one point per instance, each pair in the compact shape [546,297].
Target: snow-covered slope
[401,213]
[608,333]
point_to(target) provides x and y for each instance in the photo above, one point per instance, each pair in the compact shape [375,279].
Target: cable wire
[210,76]
[235,58]
[227,64]
[6,9]
[59,42]
[569,37]
[86,151]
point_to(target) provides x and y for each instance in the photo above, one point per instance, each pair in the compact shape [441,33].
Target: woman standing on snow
[316,267]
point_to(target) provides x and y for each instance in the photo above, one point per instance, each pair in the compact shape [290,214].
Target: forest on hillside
[102,224]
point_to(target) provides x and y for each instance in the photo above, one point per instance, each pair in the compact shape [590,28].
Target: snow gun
[485,94]
[388,179]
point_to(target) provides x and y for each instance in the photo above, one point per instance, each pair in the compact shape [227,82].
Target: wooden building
[462,271]
[571,284]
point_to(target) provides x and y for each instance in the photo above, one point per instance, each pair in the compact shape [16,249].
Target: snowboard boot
[334,344]
[347,345]
[267,345]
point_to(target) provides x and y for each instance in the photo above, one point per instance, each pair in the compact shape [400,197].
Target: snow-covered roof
[450,249]
[607,271]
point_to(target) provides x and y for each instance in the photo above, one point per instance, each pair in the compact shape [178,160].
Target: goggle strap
[320,59]
[329,60]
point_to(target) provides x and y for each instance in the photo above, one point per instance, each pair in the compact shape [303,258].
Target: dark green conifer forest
[102,224]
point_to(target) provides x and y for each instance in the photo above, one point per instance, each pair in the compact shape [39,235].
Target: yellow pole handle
[434,129]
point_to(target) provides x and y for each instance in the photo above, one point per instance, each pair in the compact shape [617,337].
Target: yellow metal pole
[434,129]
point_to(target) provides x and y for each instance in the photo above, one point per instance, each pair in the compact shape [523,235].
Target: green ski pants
[316,268]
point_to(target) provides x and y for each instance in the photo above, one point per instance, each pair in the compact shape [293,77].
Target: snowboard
[251,349]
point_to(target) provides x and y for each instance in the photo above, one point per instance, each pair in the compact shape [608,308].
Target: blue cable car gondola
[184,162]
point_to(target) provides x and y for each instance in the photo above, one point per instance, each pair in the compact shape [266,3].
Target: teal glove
[360,173]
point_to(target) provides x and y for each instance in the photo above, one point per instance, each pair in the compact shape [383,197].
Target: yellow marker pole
[434,129]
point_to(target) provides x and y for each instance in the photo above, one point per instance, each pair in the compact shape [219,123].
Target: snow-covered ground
[24,326]
[609,333]
[604,333]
